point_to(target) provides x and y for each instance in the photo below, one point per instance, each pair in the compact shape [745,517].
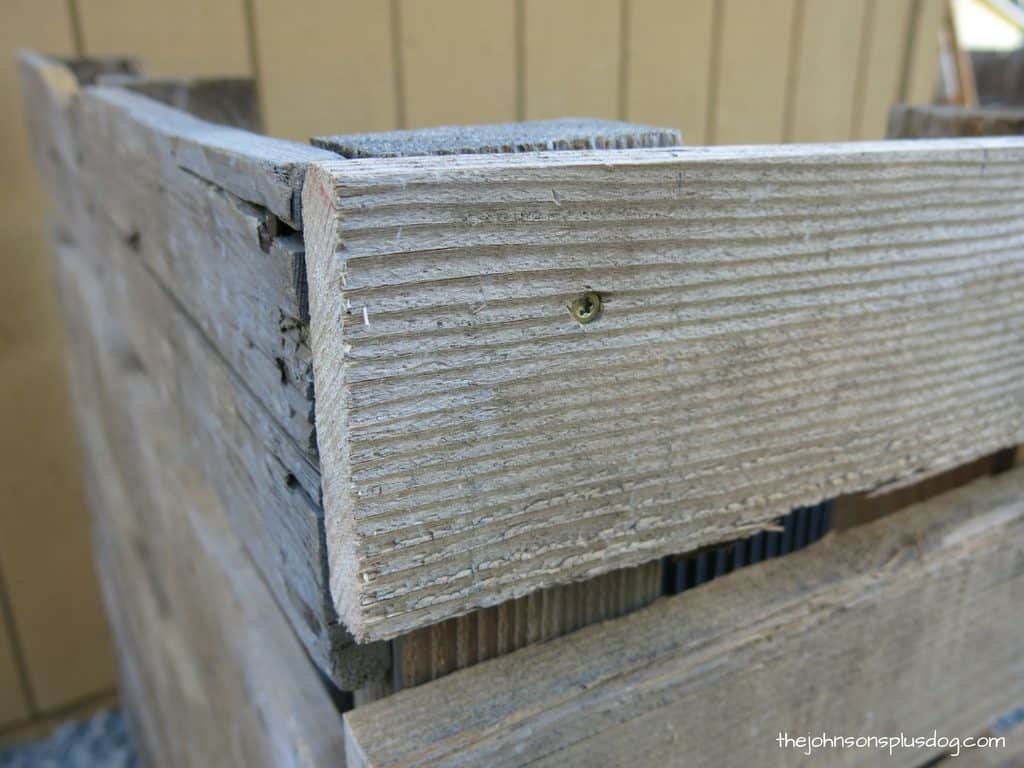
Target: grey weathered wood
[211,672]
[209,248]
[232,101]
[269,488]
[261,170]
[213,306]
[933,121]
[211,267]
[502,138]
[432,652]
[780,325]
[915,618]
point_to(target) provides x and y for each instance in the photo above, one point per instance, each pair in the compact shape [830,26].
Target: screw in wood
[586,308]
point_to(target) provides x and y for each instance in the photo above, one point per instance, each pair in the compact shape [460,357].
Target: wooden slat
[859,508]
[912,122]
[717,673]
[202,267]
[825,76]
[572,64]
[669,64]
[259,170]
[752,65]
[883,52]
[232,101]
[449,372]
[458,61]
[197,239]
[538,617]
[211,672]
[186,37]
[44,544]
[326,66]
[431,652]
[236,371]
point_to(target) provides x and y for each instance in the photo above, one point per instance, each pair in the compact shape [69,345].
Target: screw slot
[586,308]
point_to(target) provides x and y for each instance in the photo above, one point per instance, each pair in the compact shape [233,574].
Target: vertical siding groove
[908,49]
[17,649]
[793,69]
[249,13]
[624,61]
[77,38]
[397,65]
[860,87]
[520,33]
[714,72]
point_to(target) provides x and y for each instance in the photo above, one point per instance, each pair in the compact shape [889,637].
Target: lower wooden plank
[859,508]
[211,672]
[915,122]
[915,618]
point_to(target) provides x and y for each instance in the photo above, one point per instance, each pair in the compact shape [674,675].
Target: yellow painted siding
[443,44]
[326,66]
[572,58]
[668,64]
[883,53]
[751,73]
[922,74]
[825,70]
[183,37]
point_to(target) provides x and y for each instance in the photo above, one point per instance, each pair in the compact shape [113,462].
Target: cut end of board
[503,138]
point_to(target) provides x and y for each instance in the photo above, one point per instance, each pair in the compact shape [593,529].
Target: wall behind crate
[730,71]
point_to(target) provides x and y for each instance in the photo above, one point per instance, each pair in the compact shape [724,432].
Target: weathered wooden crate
[554,366]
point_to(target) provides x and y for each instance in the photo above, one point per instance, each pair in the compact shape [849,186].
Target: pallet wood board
[907,121]
[767,340]
[717,673]
[211,672]
[213,304]
[440,649]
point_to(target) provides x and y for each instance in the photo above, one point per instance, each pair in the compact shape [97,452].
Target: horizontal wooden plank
[768,339]
[435,651]
[914,617]
[258,169]
[232,101]
[907,121]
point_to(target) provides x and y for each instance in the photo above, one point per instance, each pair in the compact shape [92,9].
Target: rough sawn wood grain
[780,325]
[909,624]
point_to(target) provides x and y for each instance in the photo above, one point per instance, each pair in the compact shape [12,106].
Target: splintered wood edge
[325,276]
[327,183]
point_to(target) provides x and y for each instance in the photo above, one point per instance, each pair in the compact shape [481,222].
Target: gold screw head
[586,308]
